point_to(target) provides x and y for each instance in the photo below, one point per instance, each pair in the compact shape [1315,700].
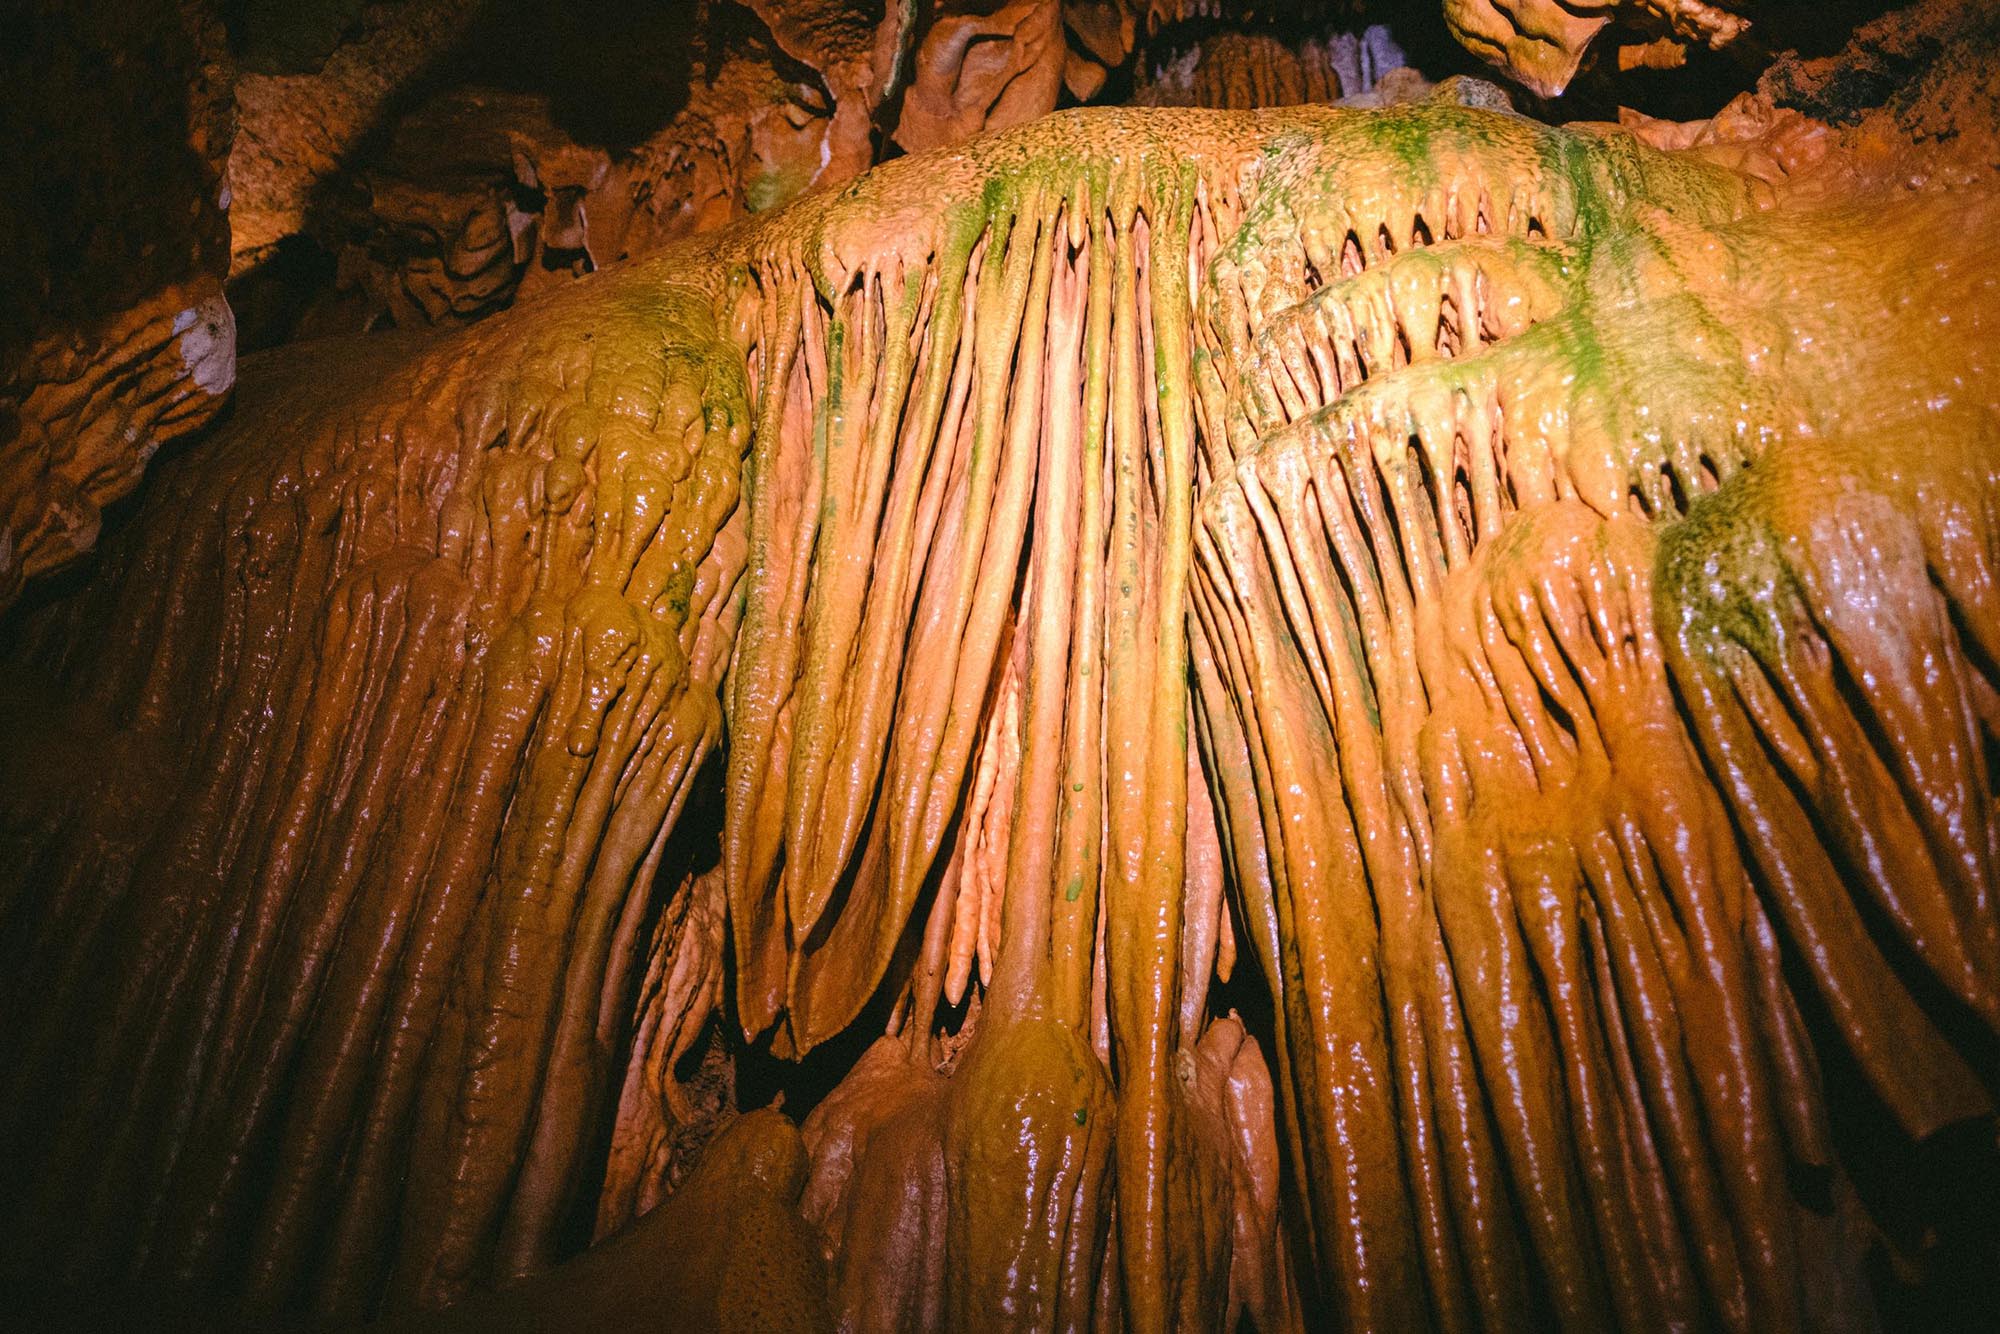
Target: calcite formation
[1246,71]
[1344,712]
[344,212]
[115,338]
[1542,43]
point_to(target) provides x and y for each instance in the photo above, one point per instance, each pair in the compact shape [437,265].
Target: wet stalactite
[1362,698]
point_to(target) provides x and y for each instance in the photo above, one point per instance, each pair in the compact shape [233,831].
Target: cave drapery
[1355,716]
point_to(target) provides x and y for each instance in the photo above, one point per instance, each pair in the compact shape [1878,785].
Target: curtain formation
[1525,596]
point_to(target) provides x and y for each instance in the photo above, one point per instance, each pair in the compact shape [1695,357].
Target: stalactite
[1452,561]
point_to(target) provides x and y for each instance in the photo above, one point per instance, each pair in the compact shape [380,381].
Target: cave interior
[901,665]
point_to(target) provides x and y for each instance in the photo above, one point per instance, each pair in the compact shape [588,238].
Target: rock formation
[1379,716]
[415,162]
[114,334]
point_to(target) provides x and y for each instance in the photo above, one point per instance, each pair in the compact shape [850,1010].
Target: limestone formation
[1376,716]
[114,335]
[1242,72]
[1541,43]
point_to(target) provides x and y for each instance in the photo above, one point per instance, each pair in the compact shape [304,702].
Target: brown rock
[119,116]
[984,72]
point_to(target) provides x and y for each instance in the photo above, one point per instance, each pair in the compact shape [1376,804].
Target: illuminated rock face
[1541,43]
[1527,596]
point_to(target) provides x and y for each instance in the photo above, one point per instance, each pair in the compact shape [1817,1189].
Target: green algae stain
[769,189]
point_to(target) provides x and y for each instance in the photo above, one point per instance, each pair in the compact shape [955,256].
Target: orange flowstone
[1532,590]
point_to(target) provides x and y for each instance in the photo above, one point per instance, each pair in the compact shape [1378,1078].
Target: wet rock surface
[1319,696]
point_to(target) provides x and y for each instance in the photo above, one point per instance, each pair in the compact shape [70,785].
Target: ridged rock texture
[1519,601]
[413,162]
[114,335]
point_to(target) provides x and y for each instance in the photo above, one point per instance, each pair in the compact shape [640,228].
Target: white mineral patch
[208,344]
